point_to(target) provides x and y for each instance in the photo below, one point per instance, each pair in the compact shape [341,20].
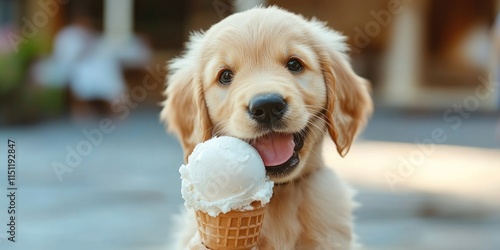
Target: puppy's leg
[327,213]
[186,235]
[195,243]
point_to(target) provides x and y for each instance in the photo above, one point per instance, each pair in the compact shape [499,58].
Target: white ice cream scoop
[223,174]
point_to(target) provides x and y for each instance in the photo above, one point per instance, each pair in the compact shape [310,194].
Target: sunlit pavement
[122,192]
[448,199]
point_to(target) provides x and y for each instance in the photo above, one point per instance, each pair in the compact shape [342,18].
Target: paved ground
[121,190]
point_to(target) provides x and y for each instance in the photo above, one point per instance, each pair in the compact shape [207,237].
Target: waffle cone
[235,230]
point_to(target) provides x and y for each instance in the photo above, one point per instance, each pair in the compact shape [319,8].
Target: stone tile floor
[125,189]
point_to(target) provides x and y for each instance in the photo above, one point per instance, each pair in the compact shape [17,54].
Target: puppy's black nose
[267,108]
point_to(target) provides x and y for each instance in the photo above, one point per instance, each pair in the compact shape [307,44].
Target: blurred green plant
[21,101]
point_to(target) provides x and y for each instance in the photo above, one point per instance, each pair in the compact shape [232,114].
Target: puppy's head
[271,78]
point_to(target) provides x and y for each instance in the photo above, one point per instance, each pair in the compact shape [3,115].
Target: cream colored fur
[313,209]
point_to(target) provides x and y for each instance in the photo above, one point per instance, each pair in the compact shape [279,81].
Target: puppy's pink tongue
[275,149]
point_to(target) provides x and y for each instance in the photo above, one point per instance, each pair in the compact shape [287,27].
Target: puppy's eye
[226,77]
[294,65]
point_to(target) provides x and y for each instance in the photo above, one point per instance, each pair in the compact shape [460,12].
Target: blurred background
[81,84]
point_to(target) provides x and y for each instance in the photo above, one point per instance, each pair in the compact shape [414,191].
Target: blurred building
[418,54]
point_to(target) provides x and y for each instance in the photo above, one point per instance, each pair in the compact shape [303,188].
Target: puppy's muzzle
[267,109]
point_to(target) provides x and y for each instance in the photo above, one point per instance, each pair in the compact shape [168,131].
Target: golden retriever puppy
[280,82]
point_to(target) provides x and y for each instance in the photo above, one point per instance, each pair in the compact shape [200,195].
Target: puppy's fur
[311,208]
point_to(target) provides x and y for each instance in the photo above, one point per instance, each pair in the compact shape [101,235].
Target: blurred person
[91,67]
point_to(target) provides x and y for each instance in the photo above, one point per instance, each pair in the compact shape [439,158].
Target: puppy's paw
[196,244]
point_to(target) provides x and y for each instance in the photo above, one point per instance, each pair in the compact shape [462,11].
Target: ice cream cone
[235,230]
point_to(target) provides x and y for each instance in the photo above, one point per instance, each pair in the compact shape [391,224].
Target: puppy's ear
[185,112]
[348,95]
